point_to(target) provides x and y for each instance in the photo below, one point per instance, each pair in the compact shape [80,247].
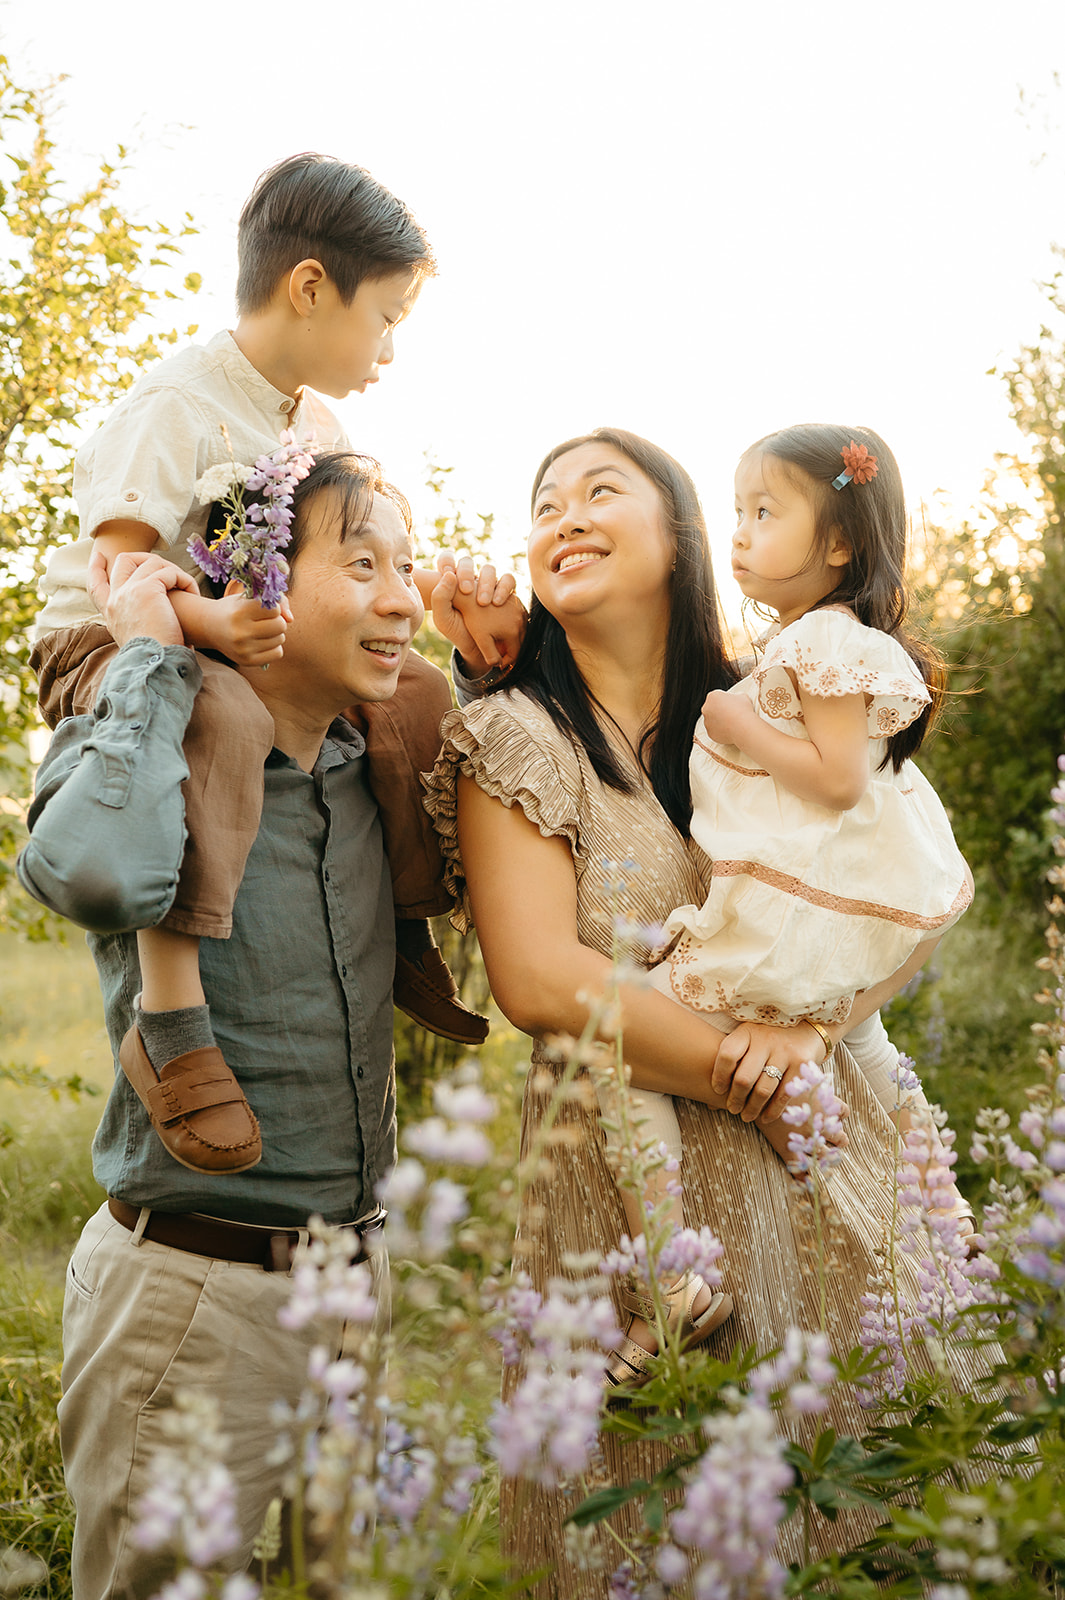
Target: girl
[832,857]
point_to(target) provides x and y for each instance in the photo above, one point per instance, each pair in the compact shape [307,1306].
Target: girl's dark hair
[355,480]
[870,518]
[696,654]
[311,206]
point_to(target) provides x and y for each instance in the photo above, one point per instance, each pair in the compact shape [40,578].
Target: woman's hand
[740,1075]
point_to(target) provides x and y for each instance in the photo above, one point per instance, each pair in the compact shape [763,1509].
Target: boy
[329,264]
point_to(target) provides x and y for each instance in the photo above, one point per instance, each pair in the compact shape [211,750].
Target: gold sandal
[628,1366]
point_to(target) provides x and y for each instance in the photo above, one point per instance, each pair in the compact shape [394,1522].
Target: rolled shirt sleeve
[107,824]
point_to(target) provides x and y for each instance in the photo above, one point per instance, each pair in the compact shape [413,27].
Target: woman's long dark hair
[871,520]
[697,657]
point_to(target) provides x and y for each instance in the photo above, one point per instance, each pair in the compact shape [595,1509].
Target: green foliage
[77,282]
[994,595]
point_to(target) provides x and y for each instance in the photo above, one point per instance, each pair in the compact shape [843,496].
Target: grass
[52,1022]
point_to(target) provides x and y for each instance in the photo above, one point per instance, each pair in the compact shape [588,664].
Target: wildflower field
[395,1456]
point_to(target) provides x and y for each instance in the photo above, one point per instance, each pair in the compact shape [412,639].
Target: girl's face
[775,559]
[599,536]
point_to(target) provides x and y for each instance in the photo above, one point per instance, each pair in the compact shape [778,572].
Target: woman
[584,759]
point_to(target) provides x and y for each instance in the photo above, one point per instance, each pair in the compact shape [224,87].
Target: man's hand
[479,613]
[726,716]
[135,599]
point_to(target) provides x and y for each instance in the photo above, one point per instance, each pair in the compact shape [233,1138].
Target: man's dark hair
[313,207]
[353,478]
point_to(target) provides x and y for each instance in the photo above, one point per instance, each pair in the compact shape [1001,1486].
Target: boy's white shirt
[144,461]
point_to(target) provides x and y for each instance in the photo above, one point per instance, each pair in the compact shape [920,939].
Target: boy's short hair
[311,206]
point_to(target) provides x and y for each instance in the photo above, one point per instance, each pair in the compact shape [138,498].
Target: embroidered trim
[699,994]
[834,902]
[748,772]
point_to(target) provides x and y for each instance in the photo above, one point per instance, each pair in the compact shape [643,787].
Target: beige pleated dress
[732,1180]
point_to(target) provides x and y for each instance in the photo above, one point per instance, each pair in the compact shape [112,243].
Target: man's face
[355,611]
[348,344]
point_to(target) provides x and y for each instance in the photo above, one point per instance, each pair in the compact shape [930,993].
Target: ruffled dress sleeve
[830,653]
[513,751]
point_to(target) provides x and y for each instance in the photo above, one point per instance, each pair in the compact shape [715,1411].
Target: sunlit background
[700,221]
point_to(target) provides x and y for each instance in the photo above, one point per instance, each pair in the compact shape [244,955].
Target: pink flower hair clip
[858,466]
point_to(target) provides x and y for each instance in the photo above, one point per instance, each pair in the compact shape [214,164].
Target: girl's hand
[249,634]
[726,716]
[739,1073]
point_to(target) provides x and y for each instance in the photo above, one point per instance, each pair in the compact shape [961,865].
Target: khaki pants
[229,736]
[139,1322]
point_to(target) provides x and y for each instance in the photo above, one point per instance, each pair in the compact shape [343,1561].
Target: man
[178,1279]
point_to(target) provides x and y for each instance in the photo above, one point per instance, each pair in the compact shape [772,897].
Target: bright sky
[700,221]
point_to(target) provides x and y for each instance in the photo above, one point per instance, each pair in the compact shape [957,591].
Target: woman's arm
[523,893]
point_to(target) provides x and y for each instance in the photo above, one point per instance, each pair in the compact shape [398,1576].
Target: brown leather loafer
[426,992]
[196,1106]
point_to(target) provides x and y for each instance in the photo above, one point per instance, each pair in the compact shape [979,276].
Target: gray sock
[167,1034]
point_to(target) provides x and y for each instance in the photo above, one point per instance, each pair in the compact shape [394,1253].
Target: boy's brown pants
[229,736]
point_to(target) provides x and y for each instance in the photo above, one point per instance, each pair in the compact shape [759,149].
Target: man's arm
[107,826]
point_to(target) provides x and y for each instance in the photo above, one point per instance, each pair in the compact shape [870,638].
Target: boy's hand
[726,717]
[246,632]
[479,613]
[135,599]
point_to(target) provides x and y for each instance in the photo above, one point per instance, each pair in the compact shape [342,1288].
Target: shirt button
[154,660]
[343,972]
[325,875]
[131,494]
[360,1073]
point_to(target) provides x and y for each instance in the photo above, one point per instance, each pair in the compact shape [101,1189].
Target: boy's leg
[206,1122]
[229,736]
[403,741]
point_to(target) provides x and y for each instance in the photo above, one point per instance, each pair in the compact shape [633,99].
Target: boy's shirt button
[131,494]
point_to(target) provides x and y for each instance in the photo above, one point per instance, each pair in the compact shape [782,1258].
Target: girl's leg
[657,1124]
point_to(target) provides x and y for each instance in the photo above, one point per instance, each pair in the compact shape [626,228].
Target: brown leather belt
[272,1249]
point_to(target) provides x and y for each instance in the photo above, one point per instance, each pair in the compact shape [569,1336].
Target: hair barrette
[858,466]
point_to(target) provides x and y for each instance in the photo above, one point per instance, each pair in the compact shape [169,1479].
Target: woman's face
[599,535]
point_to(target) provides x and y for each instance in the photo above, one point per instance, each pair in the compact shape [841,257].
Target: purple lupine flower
[457,1144]
[732,1507]
[622,1585]
[1041,1245]
[904,1076]
[256,532]
[948,1280]
[691,1250]
[802,1373]
[547,1429]
[326,1283]
[821,1114]
[190,1504]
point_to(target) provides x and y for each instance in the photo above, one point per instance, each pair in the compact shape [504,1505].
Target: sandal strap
[630,1363]
[678,1298]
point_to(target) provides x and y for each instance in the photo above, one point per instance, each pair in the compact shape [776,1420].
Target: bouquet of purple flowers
[257,530]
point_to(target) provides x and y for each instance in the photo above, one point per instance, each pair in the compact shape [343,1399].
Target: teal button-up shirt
[300,995]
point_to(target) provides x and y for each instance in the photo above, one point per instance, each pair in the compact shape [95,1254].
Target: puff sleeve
[514,752]
[830,653]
